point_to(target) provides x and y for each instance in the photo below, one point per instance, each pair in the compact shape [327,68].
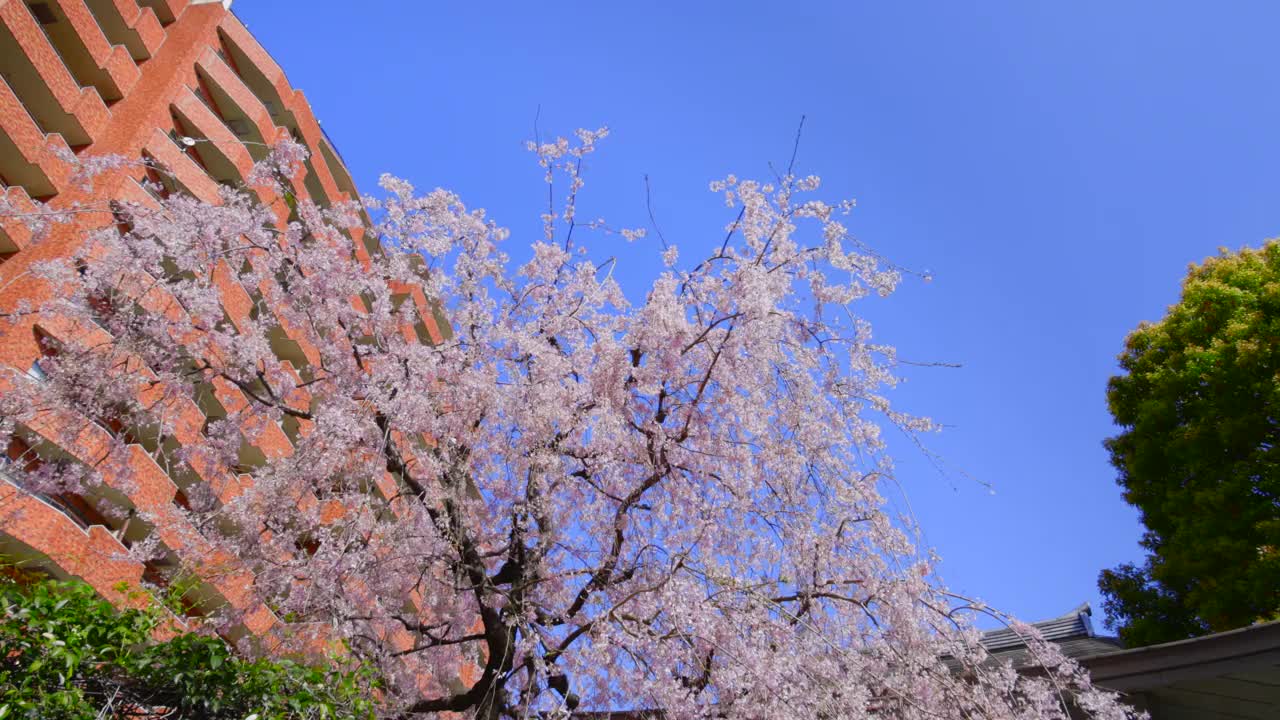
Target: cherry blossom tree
[567,502]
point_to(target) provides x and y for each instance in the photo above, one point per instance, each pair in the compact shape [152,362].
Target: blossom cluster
[561,500]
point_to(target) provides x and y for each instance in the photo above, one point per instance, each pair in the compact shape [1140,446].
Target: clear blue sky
[1055,165]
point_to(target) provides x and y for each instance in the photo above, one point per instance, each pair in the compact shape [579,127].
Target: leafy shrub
[68,654]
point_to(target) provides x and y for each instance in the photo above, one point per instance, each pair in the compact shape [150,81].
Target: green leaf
[1198,407]
[100,645]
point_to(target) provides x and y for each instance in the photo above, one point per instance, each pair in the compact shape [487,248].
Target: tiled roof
[1072,632]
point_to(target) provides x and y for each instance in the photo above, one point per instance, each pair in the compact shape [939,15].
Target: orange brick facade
[132,78]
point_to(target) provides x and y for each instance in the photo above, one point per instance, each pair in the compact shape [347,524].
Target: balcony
[17,169]
[176,171]
[184,593]
[29,158]
[76,36]
[315,189]
[201,150]
[266,91]
[338,170]
[137,486]
[166,11]
[41,81]
[125,24]
[216,149]
[14,233]
[37,536]
[223,104]
[266,81]
[256,81]
[89,507]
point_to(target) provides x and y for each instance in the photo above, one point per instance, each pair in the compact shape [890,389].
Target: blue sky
[1054,165]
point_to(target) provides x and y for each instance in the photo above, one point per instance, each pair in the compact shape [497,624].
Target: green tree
[67,654]
[1199,408]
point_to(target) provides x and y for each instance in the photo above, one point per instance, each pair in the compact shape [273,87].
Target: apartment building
[183,85]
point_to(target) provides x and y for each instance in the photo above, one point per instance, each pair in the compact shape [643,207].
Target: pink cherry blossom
[594,502]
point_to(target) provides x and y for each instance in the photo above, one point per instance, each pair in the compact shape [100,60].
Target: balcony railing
[66,508]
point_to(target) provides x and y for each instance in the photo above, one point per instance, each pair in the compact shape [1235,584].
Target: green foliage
[67,654]
[1199,404]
